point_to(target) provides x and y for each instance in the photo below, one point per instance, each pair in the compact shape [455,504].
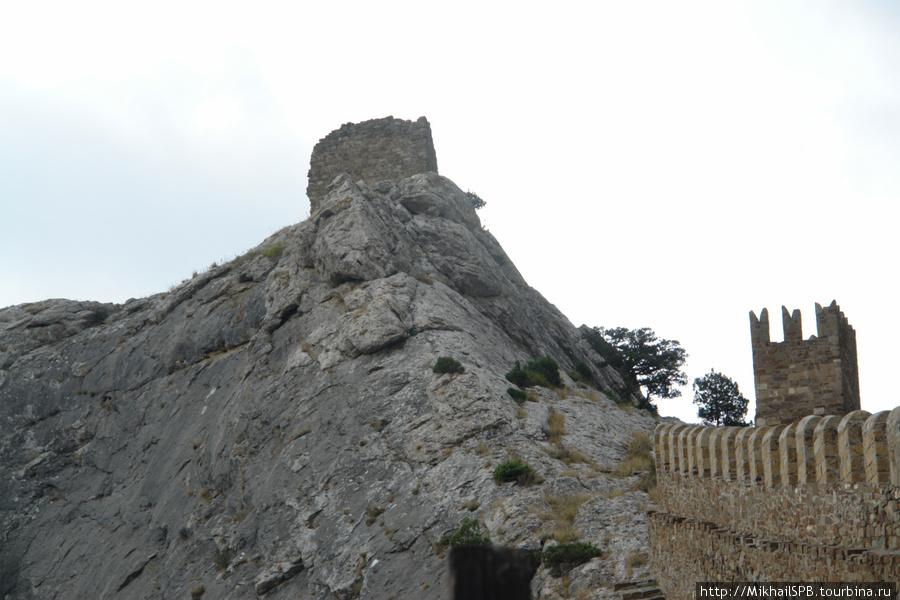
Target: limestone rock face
[272,427]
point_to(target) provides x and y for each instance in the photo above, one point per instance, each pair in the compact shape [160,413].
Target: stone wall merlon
[850,446]
[875,448]
[806,457]
[892,428]
[792,324]
[787,454]
[854,448]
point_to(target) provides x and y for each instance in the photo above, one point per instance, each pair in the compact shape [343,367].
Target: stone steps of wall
[640,589]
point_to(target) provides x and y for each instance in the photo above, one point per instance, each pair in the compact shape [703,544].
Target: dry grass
[377,424]
[554,430]
[373,513]
[639,458]
[639,461]
[309,350]
[632,561]
[562,511]
[635,559]
[640,444]
[481,449]
[568,455]
[556,427]
[589,394]
[632,465]
[298,433]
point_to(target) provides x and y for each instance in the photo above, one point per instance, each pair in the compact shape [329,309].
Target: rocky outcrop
[272,427]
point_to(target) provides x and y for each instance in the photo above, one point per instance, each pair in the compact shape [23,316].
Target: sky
[645,164]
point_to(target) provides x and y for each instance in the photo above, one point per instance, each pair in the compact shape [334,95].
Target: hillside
[273,426]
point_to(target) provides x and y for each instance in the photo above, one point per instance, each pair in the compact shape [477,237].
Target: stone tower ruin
[373,151]
[798,377]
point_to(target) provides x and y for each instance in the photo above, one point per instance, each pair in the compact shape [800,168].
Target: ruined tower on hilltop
[373,151]
[798,377]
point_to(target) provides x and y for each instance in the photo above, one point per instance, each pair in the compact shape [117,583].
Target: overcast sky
[664,164]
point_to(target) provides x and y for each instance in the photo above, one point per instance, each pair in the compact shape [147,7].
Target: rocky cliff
[272,427]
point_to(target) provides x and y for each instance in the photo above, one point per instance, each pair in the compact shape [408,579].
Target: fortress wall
[820,514]
[686,551]
[778,503]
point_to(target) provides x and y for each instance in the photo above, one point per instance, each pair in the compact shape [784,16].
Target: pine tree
[720,400]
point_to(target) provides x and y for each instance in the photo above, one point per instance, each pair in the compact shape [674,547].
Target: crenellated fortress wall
[815,500]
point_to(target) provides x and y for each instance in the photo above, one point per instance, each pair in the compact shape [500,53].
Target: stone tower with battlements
[798,377]
[373,151]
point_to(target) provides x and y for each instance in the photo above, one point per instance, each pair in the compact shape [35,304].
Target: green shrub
[581,372]
[98,317]
[469,533]
[446,364]
[373,513]
[222,560]
[624,403]
[514,470]
[274,252]
[517,394]
[518,376]
[542,371]
[477,202]
[562,558]
[547,368]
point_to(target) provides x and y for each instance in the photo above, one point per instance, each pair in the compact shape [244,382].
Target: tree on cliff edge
[720,400]
[644,360]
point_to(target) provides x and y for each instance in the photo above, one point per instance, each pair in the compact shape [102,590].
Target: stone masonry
[373,151]
[800,377]
[816,500]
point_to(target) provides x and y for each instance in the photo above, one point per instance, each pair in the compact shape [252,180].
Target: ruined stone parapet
[372,151]
[799,377]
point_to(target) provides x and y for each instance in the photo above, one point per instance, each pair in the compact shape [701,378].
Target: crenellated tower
[800,377]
